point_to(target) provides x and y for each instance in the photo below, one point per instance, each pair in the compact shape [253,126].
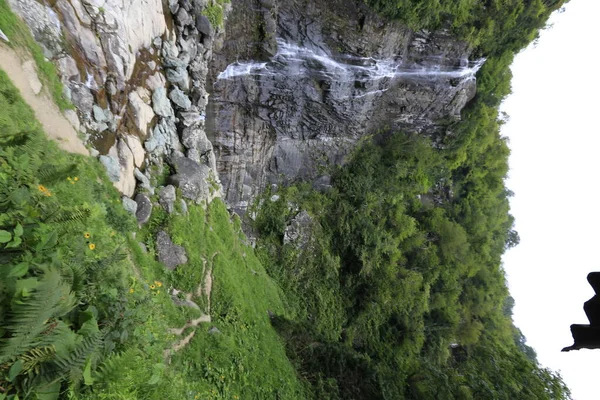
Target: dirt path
[20,68]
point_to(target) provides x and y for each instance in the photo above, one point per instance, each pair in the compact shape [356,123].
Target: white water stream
[293,60]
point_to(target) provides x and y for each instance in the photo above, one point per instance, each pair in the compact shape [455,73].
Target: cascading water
[305,108]
[293,61]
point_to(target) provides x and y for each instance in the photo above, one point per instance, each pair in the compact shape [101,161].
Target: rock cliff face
[293,84]
[298,83]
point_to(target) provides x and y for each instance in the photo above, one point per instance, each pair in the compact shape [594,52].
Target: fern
[29,315]
[50,173]
[69,216]
[36,356]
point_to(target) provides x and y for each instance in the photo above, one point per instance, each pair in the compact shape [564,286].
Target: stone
[191,178]
[99,114]
[113,169]
[183,17]
[143,247]
[214,331]
[83,99]
[32,77]
[141,112]
[298,232]
[73,119]
[136,149]
[144,181]
[129,205]
[3,36]
[274,198]
[151,65]
[164,138]
[157,42]
[161,104]
[156,81]
[184,207]
[203,25]
[126,183]
[170,254]
[67,68]
[43,23]
[94,152]
[179,77]
[173,6]
[144,208]
[167,197]
[180,99]
[169,49]
[191,118]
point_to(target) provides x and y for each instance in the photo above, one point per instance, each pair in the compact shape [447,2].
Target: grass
[20,37]
[245,359]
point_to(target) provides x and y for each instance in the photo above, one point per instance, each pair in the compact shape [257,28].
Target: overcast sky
[555,173]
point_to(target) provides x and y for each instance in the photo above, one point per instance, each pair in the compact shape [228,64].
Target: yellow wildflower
[152,287]
[131,290]
[69,178]
[158,283]
[158,292]
[92,246]
[76,178]
[86,235]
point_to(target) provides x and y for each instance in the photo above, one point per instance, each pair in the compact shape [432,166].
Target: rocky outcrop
[170,254]
[298,83]
[137,77]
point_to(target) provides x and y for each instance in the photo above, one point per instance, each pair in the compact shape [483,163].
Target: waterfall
[293,60]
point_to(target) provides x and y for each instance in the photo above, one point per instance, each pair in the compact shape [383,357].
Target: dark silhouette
[588,336]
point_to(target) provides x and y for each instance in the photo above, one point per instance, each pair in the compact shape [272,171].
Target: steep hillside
[359,142]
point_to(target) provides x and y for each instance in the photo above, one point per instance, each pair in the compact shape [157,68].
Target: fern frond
[66,216]
[36,356]
[49,173]
[29,316]
[115,257]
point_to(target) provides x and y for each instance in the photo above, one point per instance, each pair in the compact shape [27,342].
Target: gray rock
[144,180]
[184,207]
[164,138]
[214,331]
[129,204]
[203,25]
[157,42]
[113,169]
[144,208]
[169,49]
[94,152]
[179,77]
[190,118]
[180,99]
[161,104]
[173,6]
[143,247]
[167,197]
[99,114]
[274,198]
[191,178]
[83,99]
[170,254]
[298,232]
[183,17]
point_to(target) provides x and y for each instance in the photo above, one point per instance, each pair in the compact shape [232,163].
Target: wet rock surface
[324,75]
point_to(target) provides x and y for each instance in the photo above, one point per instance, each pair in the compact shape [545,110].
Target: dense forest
[397,288]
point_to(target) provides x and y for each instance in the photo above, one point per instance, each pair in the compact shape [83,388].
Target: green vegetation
[214,12]
[399,291]
[20,37]
[85,313]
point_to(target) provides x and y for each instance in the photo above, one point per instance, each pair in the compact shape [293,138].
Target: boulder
[170,254]
[113,169]
[164,138]
[203,25]
[144,180]
[144,208]
[180,99]
[167,197]
[83,99]
[191,178]
[161,104]
[126,183]
[179,76]
[136,149]
[298,232]
[140,111]
[129,205]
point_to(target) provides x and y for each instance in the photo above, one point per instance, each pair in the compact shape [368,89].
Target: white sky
[554,171]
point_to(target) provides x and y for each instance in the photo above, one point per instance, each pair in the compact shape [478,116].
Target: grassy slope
[245,360]
[20,36]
